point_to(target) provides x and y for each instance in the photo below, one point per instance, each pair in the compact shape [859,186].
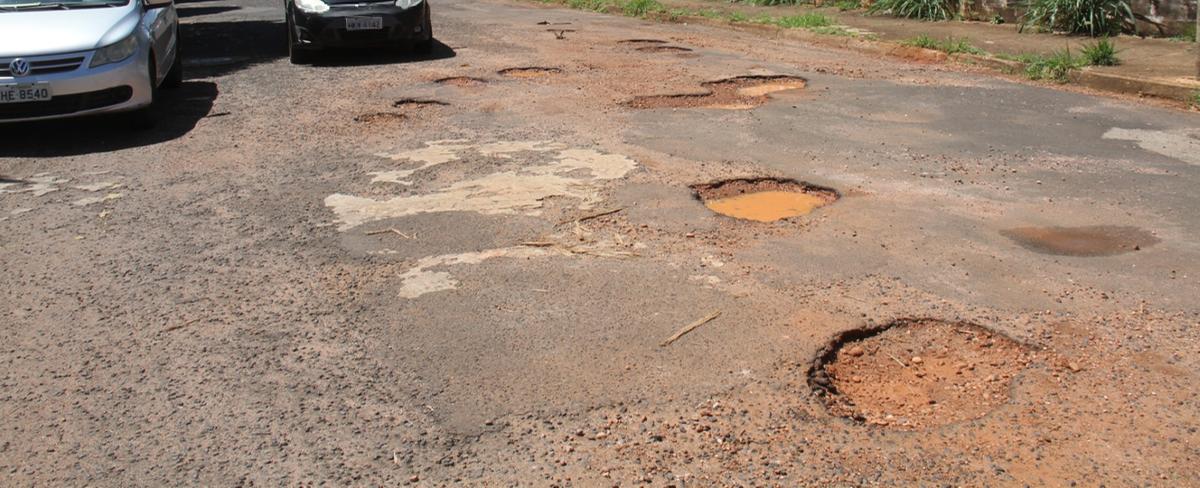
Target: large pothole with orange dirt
[739,93]
[763,199]
[917,373]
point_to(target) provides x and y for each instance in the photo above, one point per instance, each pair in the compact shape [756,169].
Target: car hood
[38,32]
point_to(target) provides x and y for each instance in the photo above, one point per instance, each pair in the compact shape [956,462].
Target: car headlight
[408,3]
[115,52]
[312,6]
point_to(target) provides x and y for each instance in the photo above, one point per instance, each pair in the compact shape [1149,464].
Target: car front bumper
[328,29]
[117,87]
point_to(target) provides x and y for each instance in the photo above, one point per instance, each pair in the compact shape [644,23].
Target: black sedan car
[313,25]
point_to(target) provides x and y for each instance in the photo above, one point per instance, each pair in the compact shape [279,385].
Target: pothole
[380,118]
[763,199]
[529,72]
[462,81]
[1087,241]
[642,41]
[743,92]
[663,49]
[418,102]
[917,373]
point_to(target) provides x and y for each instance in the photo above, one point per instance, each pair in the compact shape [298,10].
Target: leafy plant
[639,8]
[948,46]
[1196,99]
[914,9]
[1102,53]
[1092,17]
[1056,66]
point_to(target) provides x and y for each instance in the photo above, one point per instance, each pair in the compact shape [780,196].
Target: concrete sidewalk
[1153,66]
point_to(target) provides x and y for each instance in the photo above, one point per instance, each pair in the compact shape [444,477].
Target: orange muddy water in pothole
[766,206]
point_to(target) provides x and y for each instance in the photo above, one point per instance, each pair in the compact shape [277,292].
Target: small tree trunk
[1196,33]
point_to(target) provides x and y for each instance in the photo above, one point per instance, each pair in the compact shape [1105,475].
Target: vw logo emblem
[19,67]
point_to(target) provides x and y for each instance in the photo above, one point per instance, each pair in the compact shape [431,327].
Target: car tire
[425,47]
[295,54]
[174,77]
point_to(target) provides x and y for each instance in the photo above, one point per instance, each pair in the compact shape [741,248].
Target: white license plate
[31,92]
[364,23]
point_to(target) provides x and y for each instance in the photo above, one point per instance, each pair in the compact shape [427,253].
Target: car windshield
[10,5]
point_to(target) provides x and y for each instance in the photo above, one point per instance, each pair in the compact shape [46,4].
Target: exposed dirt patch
[530,72]
[917,373]
[642,41]
[1088,241]
[743,92]
[763,199]
[417,103]
[663,49]
[463,81]
[380,118]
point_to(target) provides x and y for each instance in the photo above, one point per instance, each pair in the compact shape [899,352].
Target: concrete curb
[1141,87]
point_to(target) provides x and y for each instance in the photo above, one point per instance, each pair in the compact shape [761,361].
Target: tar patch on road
[1088,241]
[642,41]
[461,81]
[663,49]
[763,199]
[527,72]
[740,93]
[380,118]
[917,373]
[416,102]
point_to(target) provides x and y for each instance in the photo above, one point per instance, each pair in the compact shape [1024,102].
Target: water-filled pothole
[742,92]
[529,72]
[418,102]
[917,373]
[643,41]
[461,81]
[763,199]
[380,118]
[1088,241]
[663,49]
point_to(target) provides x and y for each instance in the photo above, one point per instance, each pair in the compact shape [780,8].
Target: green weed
[738,17]
[1188,35]
[1102,53]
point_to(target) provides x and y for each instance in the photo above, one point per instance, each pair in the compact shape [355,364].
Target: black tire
[174,77]
[295,54]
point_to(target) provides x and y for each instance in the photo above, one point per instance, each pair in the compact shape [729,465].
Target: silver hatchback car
[66,58]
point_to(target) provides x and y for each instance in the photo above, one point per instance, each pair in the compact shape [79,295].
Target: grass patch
[1189,35]
[914,9]
[1196,99]
[592,5]
[738,17]
[1055,67]
[639,8]
[803,21]
[844,5]
[948,46]
[1102,53]
[769,3]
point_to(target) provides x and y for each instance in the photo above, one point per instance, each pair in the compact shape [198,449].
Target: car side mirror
[153,4]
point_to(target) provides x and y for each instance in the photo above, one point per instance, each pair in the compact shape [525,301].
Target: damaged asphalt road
[297,280]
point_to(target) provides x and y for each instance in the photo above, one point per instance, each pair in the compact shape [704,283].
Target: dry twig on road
[690,327]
